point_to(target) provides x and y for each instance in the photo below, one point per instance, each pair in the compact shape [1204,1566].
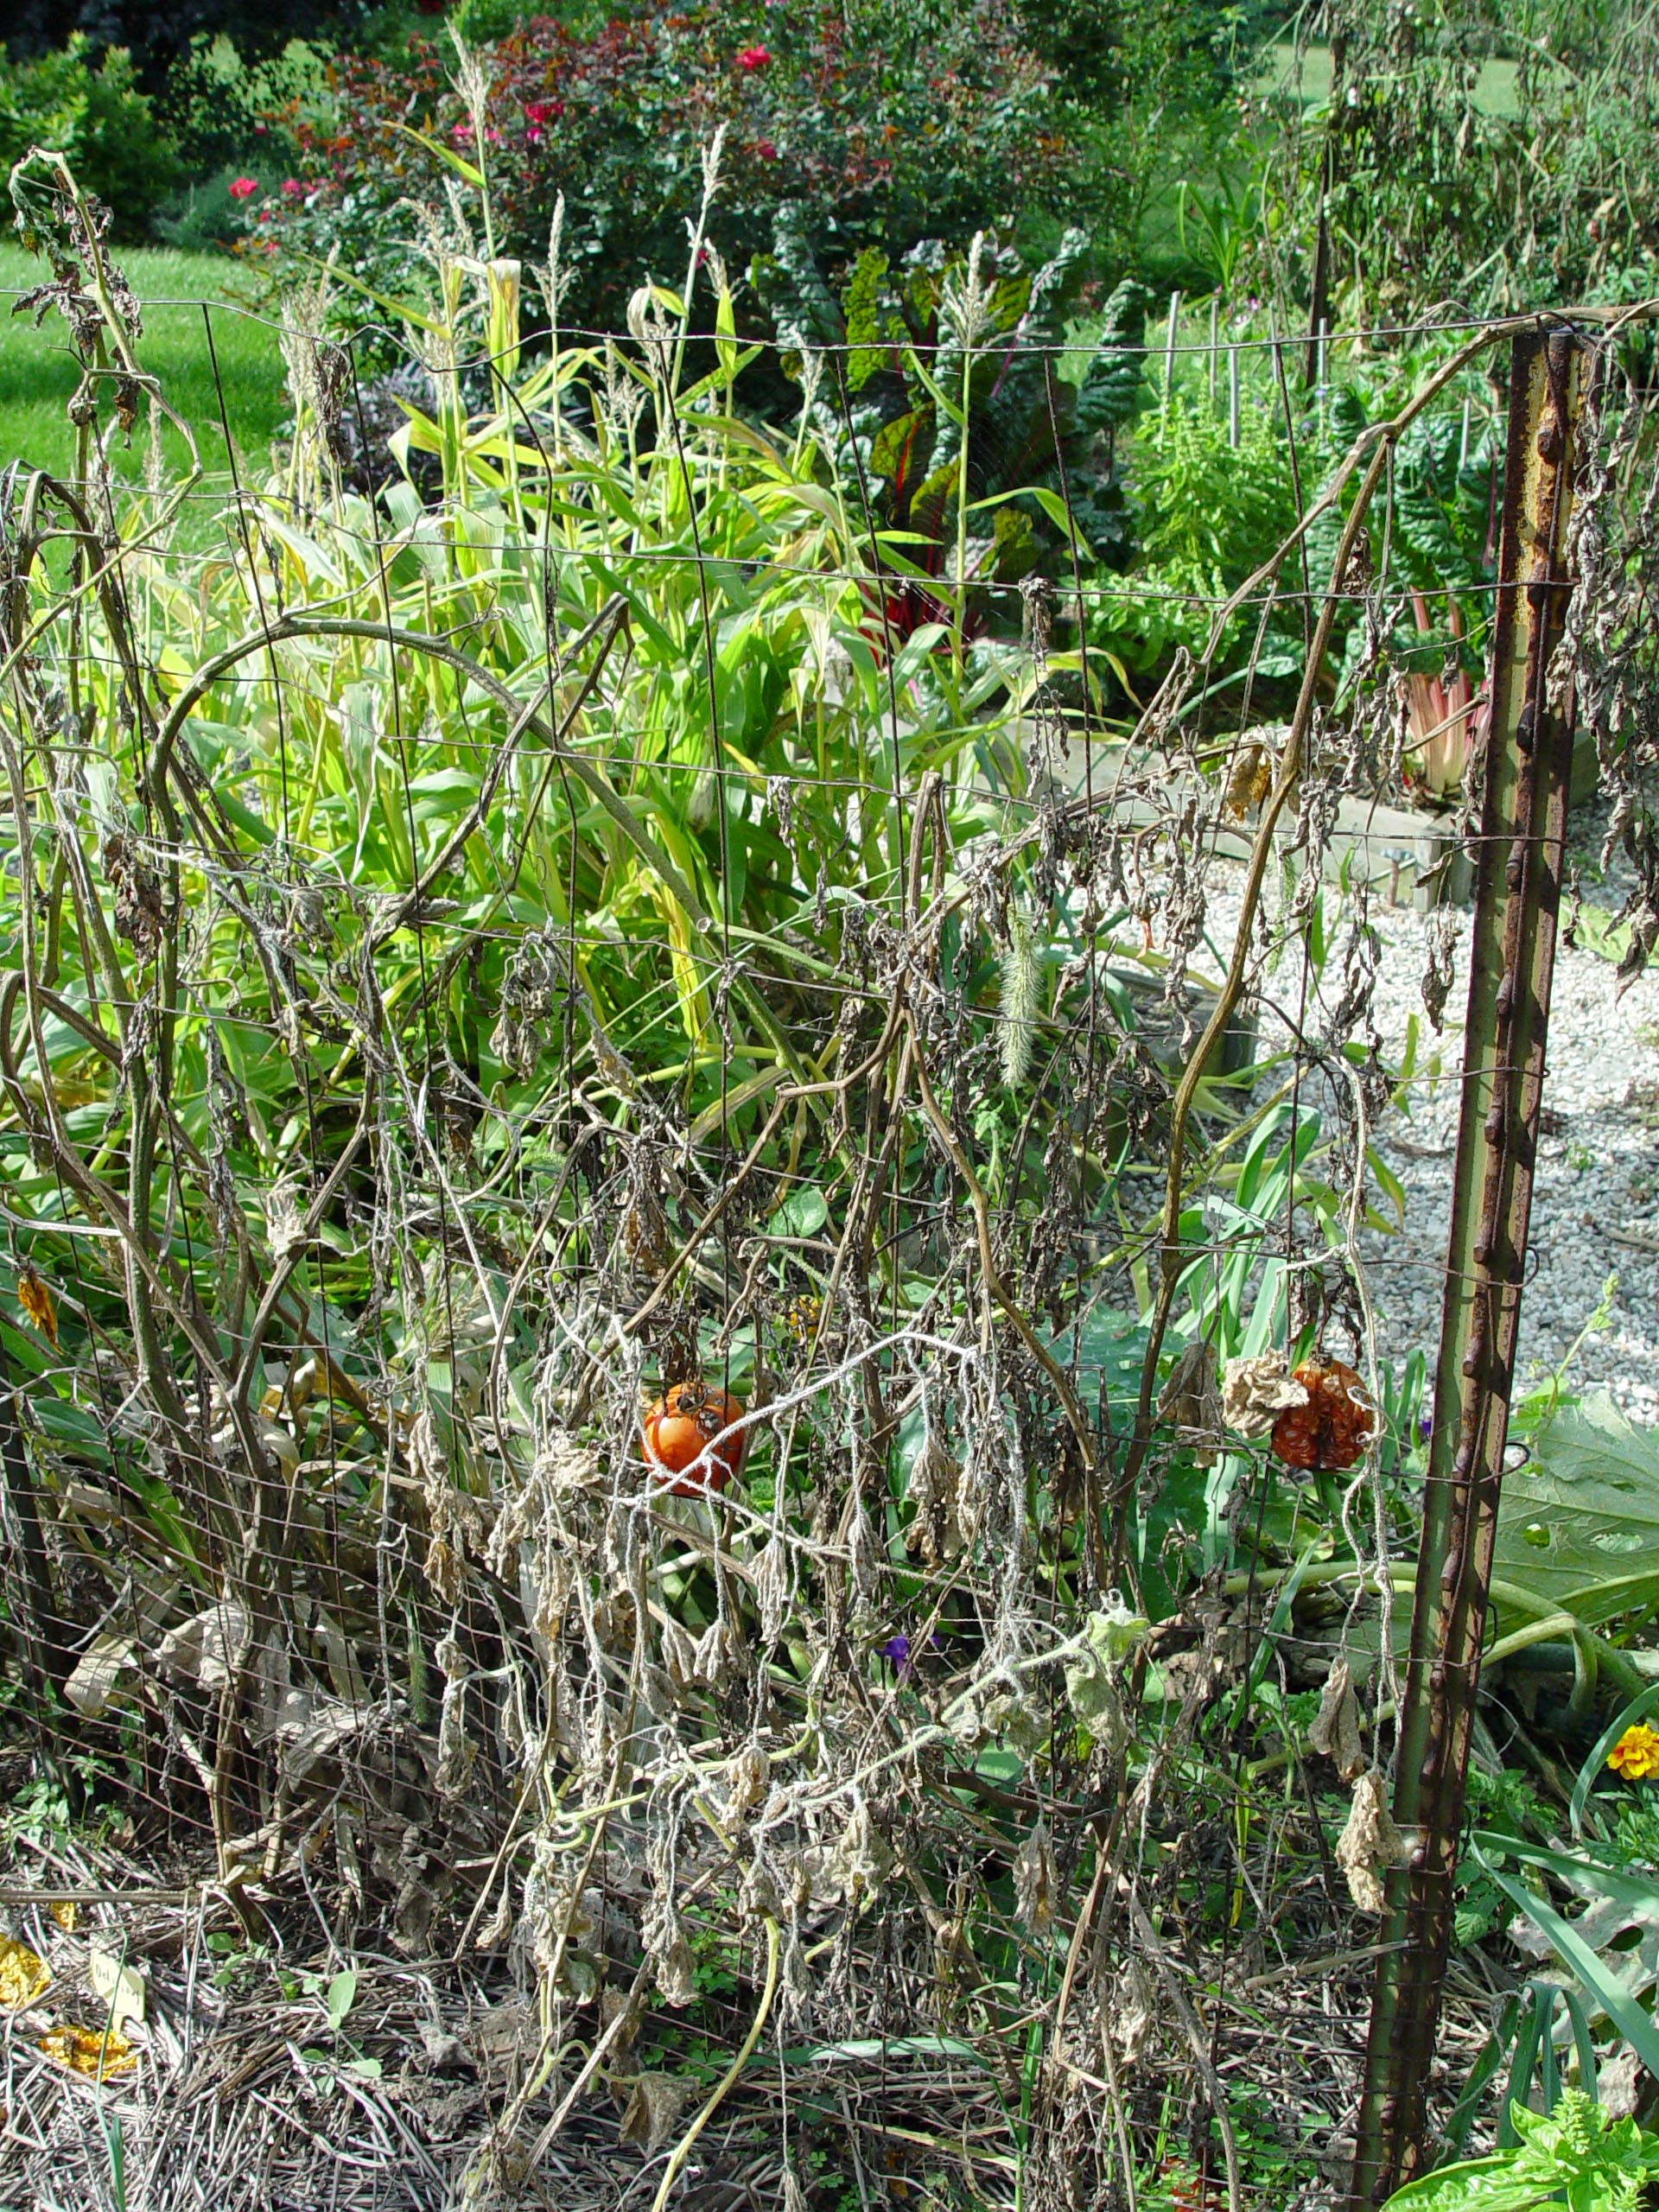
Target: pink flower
[752,57]
[537,113]
[243,187]
[292,188]
[765,150]
[259,129]
[461,133]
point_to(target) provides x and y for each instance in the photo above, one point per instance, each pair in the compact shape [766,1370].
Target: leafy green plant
[1205,512]
[1576,2154]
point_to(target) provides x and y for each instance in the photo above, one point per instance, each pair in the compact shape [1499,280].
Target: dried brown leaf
[1371,1843]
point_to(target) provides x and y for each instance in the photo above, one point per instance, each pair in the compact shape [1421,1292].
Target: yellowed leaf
[64,1913]
[121,1987]
[35,1299]
[24,1977]
[89,2050]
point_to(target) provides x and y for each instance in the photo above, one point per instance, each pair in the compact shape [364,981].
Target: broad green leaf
[802,1213]
[1579,1524]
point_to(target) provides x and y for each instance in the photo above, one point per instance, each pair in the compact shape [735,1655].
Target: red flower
[292,188]
[753,57]
[765,149]
[243,187]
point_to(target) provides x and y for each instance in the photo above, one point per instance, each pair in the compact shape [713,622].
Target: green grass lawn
[37,372]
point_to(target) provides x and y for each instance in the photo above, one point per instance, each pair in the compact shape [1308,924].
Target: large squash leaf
[1577,1526]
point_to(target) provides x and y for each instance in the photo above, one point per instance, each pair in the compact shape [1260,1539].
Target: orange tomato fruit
[676,1431]
[1328,1435]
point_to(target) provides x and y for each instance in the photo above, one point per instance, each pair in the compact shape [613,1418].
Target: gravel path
[1596,1203]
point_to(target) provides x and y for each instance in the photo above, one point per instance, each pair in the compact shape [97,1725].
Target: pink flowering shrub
[913,131]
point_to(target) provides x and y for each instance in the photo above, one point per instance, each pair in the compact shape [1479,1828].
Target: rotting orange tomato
[676,1431]
[1328,1435]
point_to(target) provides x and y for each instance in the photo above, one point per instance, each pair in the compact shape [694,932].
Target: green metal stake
[1522,832]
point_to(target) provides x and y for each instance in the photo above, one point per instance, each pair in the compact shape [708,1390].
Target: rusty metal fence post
[1523,826]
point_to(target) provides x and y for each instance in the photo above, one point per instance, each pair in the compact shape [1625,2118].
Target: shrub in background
[889,125]
[93,112]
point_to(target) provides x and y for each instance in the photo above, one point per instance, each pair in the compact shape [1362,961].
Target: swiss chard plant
[983,443]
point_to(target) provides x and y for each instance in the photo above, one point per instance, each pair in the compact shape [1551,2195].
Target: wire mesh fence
[669,1137]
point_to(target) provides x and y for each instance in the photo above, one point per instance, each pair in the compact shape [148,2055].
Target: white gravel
[1596,1200]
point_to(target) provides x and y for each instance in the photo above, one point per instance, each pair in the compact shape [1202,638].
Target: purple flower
[896,1651]
[1425,1427]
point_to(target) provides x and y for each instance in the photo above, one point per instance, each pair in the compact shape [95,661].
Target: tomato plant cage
[1522,840]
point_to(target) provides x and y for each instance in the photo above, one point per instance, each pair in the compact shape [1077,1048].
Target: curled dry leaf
[205,1648]
[662,1934]
[1091,1674]
[1371,1843]
[35,1299]
[1191,1401]
[934,1488]
[655,2103]
[1335,1732]
[24,1977]
[774,1585]
[284,1222]
[1036,1881]
[748,1776]
[1133,2012]
[98,1675]
[1254,1392]
[1251,780]
[861,1860]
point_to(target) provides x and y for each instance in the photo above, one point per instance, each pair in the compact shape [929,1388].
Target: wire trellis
[493,950]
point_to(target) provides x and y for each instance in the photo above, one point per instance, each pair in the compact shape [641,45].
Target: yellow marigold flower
[1635,1755]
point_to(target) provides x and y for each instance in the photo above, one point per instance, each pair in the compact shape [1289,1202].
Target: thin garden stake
[1169,353]
[1215,327]
[1523,830]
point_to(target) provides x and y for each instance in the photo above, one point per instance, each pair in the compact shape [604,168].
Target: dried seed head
[1021,983]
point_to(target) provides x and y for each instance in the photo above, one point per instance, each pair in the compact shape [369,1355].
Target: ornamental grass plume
[1635,1755]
